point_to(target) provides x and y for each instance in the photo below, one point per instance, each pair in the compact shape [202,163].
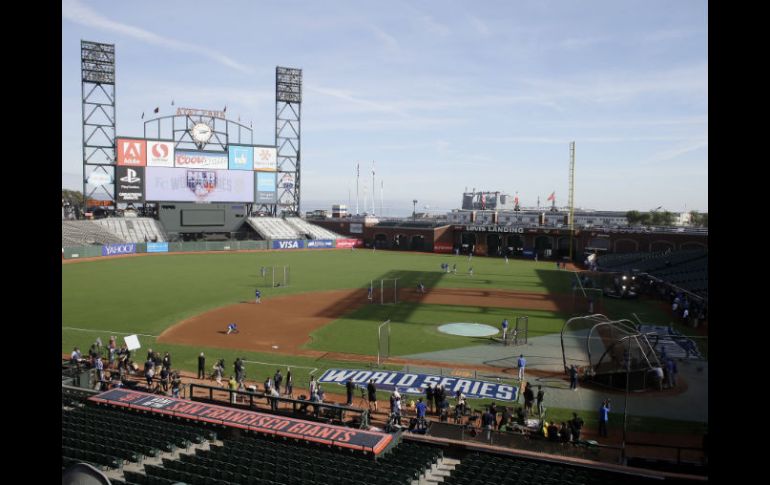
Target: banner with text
[442,248]
[264,423]
[157,247]
[265,159]
[266,187]
[160,153]
[417,383]
[188,185]
[319,243]
[114,249]
[191,159]
[132,153]
[288,243]
[130,186]
[350,243]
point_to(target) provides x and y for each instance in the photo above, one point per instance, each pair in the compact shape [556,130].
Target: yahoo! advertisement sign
[114,249]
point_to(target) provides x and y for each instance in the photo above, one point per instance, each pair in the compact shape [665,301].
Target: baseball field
[322,318]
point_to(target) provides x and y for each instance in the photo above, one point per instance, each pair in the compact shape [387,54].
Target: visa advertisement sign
[319,243]
[240,158]
[115,249]
[157,247]
[288,244]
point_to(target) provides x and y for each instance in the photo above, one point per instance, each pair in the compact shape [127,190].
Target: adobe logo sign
[132,152]
[160,153]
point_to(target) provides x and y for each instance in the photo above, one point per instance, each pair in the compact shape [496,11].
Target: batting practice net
[276,276]
[388,291]
[383,341]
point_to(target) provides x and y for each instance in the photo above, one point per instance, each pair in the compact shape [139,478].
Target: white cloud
[75,11]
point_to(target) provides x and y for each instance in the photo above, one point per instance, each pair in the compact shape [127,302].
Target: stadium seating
[83,233]
[313,231]
[486,469]
[273,228]
[139,229]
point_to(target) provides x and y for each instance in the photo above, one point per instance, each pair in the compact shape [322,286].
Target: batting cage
[612,353]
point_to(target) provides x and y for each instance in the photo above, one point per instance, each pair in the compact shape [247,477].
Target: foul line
[107,331]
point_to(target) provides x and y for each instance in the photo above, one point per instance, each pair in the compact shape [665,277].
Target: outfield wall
[107,250]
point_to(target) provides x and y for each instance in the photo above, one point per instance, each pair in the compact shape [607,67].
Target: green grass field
[146,295]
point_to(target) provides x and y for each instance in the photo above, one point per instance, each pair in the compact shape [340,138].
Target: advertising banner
[99,177]
[286,181]
[132,153]
[265,159]
[157,247]
[288,244]
[417,383]
[319,243]
[356,228]
[350,243]
[442,248]
[114,249]
[188,185]
[130,186]
[160,153]
[240,158]
[268,424]
[265,190]
[192,159]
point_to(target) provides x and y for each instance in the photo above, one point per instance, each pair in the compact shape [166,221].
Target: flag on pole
[552,196]
[172,102]
[156,109]
[225,110]
[142,114]
[358,169]
[516,200]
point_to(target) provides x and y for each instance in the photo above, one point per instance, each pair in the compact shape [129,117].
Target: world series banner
[251,420]
[417,383]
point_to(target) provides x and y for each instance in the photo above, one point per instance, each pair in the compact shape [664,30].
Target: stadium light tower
[414,210]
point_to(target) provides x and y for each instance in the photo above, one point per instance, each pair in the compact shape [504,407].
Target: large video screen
[198,185]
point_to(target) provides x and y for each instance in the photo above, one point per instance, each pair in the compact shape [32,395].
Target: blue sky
[442,95]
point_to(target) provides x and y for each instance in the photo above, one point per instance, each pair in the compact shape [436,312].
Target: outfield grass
[146,295]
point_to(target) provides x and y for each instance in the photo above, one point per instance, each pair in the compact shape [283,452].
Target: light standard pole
[414,210]
[625,404]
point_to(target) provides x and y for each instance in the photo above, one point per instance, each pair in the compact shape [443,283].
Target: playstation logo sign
[130,177]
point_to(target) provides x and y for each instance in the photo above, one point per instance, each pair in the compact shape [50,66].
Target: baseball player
[258,296]
[370,295]
[421,287]
[505,328]
[232,328]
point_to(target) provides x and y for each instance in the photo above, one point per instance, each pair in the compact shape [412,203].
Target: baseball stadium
[232,339]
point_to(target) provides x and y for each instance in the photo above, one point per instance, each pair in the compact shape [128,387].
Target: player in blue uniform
[370,295]
[232,328]
[258,296]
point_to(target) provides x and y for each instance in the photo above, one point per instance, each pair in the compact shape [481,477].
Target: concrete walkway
[544,356]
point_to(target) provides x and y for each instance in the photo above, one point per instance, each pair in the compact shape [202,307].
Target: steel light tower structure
[571,196]
[288,113]
[97,69]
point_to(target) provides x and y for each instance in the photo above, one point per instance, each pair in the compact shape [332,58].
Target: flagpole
[374,187]
[358,174]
